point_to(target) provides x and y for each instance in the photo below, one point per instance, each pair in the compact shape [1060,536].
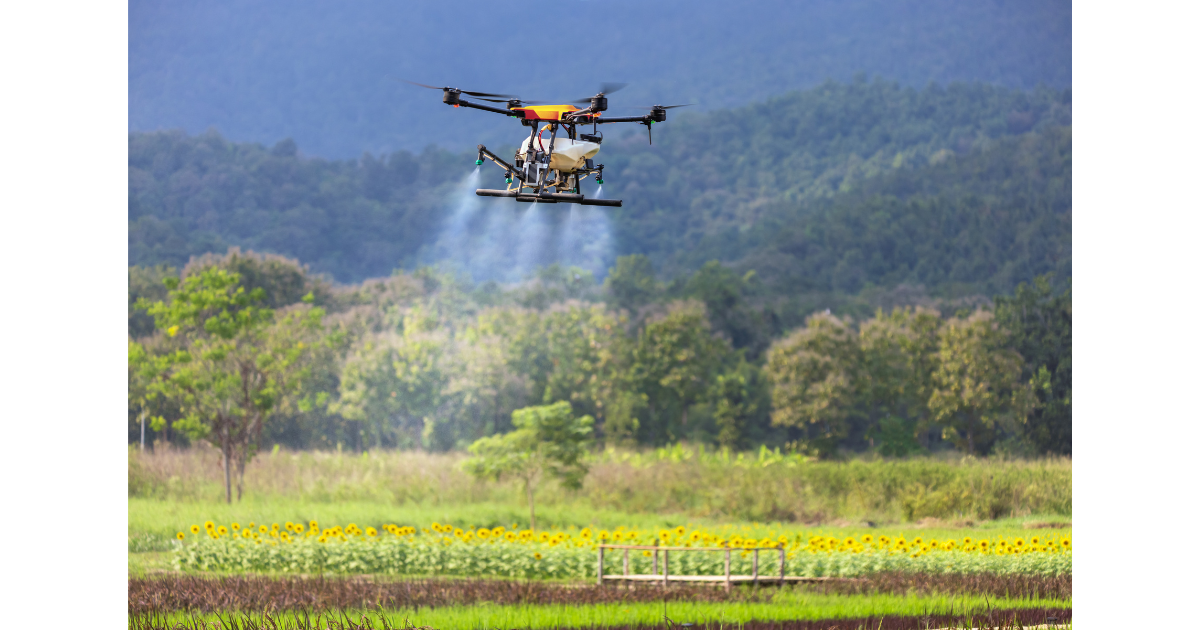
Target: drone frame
[529,179]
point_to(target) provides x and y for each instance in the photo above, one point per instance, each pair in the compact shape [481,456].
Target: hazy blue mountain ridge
[324,73]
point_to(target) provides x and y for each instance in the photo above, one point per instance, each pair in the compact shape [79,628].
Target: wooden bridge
[775,577]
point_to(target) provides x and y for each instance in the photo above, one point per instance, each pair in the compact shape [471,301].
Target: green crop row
[404,557]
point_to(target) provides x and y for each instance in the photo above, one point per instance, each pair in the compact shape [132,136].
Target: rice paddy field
[285,557]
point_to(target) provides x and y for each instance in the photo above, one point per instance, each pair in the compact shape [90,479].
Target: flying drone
[549,170]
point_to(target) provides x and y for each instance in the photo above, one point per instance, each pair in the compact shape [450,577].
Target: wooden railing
[666,576]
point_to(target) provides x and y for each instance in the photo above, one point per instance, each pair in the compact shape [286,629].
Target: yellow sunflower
[371,532]
[537,556]
[262,529]
[195,529]
[221,531]
[179,535]
[498,531]
[209,525]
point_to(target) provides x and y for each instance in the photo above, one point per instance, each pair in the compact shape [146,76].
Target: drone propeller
[665,106]
[605,89]
[479,94]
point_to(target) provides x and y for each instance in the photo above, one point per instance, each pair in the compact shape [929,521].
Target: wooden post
[782,561]
[755,566]
[728,582]
[654,569]
[666,566]
[600,564]
[626,563]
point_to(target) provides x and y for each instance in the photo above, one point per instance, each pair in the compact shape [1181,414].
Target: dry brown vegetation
[1023,619]
[254,593]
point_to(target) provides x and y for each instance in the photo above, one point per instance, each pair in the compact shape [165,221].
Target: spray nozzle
[478,162]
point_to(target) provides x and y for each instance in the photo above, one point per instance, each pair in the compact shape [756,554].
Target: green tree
[813,372]
[977,382]
[234,364]
[546,441]
[630,284]
[1040,325]
[676,357]
[738,395]
[898,353]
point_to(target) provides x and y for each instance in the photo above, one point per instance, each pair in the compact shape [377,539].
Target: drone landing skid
[548,197]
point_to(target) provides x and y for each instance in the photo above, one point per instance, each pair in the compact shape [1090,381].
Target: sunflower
[664,534]
[1065,543]
[680,530]
[285,537]
[586,533]
[288,526]
[1036,540]
[967,540]
[371,532]
[221,531]
[885,540]
[646,553]
[543,537]
[498,531]
[321,539]
[695,536]
[209,525]
[195,529]
[457,532]
[868,539]
[603,535]
[618,536]
[179,535]
[262,529]
[235,527]
[537,556]
[274,527]
[984,544]
[251,525]
[483,533]
[918,540]
[313,525]
[1019,543]
[436,527]
[510,537]
[247,533]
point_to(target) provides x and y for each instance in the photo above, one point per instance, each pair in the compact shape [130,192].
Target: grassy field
[659,488]
[752,494]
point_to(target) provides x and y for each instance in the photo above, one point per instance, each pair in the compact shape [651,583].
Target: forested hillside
[324,73]
[964,189]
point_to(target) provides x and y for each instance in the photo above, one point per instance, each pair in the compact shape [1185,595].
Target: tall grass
[693,483]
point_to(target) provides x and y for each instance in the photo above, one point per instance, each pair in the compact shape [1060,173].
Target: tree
[898,355]
[547,440]
[977,382]
[234,362]
[676,356]
[813,372]
[1040,326]
[737,396]
[631,283]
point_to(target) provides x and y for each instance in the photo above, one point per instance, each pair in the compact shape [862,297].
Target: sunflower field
[442,549]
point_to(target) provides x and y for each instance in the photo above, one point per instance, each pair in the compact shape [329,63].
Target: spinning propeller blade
[666,106]
[480,94]
[605,90]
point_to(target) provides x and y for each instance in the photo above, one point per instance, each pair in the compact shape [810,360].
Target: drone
[548,170]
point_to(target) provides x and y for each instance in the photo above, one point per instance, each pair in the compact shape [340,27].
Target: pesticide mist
[503,240]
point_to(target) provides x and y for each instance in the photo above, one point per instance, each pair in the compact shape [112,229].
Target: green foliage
[233,362]
[1040,325]
[431,556]
[631,284]
[976,384]
[545,440]
[841,187]
[675,361]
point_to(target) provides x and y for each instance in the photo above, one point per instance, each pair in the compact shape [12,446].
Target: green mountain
[962,188]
